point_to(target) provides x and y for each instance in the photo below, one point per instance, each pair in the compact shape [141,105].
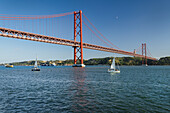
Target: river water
[89,89]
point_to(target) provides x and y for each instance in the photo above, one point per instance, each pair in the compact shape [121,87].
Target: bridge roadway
[4,32]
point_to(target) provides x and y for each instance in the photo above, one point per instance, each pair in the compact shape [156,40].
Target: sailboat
[113,67]
[36,66]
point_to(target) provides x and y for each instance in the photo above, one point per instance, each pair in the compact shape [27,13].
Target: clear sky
[126,23]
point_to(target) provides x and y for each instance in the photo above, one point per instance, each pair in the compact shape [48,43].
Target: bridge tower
[144,59]
[78,50]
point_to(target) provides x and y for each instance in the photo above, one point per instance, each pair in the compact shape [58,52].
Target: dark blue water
[90,89]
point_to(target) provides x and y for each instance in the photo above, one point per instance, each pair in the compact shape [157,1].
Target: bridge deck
[49,39]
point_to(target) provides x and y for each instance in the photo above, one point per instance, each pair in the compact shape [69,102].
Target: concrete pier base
[78,65]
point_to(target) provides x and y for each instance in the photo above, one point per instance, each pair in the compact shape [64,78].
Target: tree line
[101,61]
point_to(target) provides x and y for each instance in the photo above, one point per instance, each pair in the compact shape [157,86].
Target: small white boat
[9,66]
[53,64]
[36,66]
[113,67]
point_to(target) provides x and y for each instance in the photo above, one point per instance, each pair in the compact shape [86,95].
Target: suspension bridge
[60,29]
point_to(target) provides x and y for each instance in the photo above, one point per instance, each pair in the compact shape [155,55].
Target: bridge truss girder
[4,32]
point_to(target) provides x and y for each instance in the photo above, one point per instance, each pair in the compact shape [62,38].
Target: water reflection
[113,73]
[79,90]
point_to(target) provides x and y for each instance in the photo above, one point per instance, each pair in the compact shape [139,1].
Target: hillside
[101,61]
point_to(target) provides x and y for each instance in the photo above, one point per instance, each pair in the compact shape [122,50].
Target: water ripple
[90,89]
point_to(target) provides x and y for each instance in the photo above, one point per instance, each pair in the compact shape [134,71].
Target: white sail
[35,65]
[113,64]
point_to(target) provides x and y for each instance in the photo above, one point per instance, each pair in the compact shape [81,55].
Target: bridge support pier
[144,59]
[78,50]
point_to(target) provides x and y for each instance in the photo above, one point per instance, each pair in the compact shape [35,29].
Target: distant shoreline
[122,61]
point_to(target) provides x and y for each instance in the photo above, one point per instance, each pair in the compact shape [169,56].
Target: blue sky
[126,23]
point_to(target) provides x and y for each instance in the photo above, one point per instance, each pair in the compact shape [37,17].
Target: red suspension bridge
[48,29]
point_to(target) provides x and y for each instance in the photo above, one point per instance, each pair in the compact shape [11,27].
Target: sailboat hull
[35,69]
[113,71]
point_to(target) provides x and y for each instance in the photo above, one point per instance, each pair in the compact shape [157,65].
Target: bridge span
[77,45]
[10,33]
